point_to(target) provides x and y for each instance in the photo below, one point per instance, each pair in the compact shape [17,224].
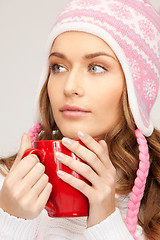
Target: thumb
[25,144]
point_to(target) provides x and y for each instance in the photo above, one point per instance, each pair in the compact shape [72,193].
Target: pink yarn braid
[34,131]
[139,185]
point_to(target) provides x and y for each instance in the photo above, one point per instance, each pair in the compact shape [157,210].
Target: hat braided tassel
[34,131]
[139,184]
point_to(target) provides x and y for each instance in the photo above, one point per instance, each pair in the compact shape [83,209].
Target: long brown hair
[123,152]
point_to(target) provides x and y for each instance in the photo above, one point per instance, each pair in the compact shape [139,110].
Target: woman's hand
[26,189]
[99,171]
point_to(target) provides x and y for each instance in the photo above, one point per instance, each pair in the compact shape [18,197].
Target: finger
[94,155]
[104,145]
[25,144]
[98,182]
[24,167]
[44,196]
[33,176]
[81,168]
[100,149]
[76,183]
[85,154]
[40,185]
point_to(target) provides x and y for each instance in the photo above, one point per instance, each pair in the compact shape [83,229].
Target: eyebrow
[88,56]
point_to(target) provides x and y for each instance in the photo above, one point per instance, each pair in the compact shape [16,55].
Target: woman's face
[85,84]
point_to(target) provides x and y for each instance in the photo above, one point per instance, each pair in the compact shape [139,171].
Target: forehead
[80,42]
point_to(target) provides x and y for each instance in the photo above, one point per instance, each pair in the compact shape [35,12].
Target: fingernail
[66,141]
[59,155]
[81,134]
[60,173]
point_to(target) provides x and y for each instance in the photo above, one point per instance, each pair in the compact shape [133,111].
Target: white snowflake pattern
[147,29]
[135,69]
[121,10]
[149,89]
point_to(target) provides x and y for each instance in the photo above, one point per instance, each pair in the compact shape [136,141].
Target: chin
[73,134]
[70,134]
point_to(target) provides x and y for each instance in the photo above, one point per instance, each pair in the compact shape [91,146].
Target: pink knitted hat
[132,30]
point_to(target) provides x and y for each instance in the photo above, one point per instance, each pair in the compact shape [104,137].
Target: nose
[74,83]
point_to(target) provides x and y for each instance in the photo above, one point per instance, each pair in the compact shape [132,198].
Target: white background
[24,28]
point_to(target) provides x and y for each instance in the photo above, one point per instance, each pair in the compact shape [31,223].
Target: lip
[73,111]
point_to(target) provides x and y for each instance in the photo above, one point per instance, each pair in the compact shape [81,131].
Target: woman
[101,79]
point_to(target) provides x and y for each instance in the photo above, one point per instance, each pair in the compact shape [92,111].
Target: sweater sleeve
[17,228]
[112,228]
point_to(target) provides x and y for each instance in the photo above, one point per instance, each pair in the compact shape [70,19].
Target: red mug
[64,200]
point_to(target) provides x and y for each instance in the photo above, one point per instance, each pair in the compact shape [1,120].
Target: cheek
[110,96]
[52,92]
[108,103]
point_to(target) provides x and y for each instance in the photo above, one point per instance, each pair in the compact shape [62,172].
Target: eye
[97,68]
[56,68]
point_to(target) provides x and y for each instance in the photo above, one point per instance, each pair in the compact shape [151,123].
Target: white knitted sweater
[46,228]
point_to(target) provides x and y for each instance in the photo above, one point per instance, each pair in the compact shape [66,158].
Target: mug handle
[40,153]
